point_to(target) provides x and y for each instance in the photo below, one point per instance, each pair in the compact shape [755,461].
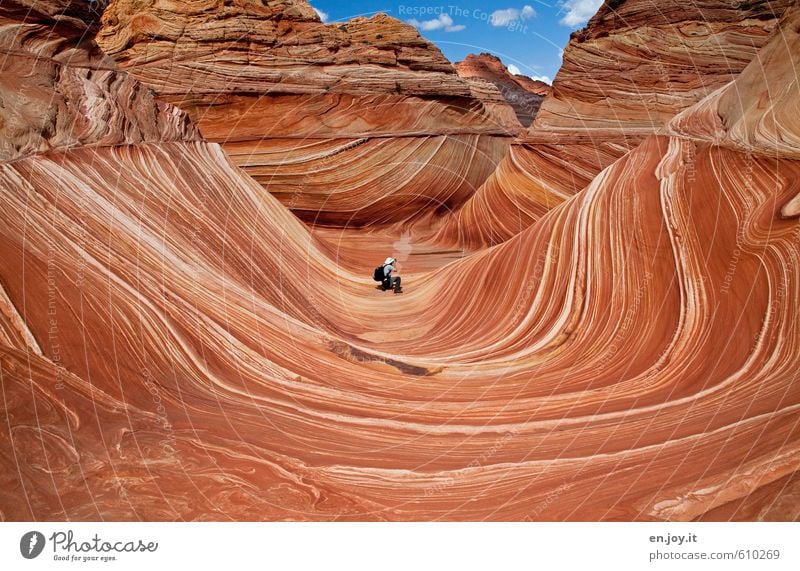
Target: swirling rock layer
[325,182]
[175,344]
[634,68]
[249,72]
[758,111]
[57,89]
[539,172]
[256,377]
[624,76]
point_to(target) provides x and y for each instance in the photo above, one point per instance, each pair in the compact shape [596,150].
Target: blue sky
[528,35]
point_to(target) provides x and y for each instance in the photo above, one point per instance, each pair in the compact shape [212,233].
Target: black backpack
[378,275]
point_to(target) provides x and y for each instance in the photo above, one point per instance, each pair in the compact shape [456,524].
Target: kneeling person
[391,281]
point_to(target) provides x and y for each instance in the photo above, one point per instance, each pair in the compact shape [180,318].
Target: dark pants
[392,283]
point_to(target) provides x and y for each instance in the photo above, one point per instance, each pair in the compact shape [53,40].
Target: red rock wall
[522,93]
[325,182]
[634,68]
[627,321]
[624,76]
[246,71]
[58,90]
[175,345]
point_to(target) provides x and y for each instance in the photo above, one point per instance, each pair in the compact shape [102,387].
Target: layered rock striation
[262,77]
[176,345]
[624,77]
[58,90]
[633,68]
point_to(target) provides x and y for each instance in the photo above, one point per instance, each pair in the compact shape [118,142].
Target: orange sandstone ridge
[522,93]
[624,77]
[176,345]
[58,90]
[290,97]
[633,68]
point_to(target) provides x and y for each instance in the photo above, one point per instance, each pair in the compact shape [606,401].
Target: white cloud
[322,15]
[579,11]
[504,17]
[508,16]
[443,22]
[514,70]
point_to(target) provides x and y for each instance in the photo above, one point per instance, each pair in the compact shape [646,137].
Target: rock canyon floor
[601,310]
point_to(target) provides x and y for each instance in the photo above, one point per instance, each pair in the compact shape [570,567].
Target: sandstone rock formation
[624,76]
[757,112]
[176,345]
[524,94]
[633,69]
[263,77]
[58,90]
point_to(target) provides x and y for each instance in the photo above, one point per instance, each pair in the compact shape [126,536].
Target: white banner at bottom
[400,546]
